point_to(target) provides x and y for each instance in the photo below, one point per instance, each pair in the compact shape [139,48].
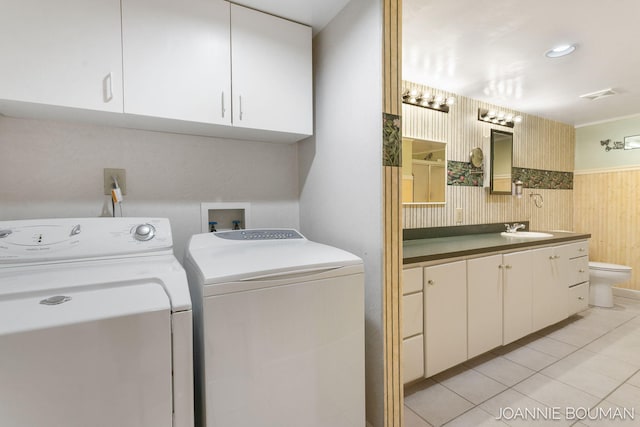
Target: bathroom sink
[526,234]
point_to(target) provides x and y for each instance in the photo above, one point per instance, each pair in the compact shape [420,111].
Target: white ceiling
[315,13]
[494,51]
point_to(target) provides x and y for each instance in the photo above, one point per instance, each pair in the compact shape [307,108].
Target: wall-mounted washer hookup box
[225,216]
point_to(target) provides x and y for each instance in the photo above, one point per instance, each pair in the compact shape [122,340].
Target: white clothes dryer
[95,325]
[278,331]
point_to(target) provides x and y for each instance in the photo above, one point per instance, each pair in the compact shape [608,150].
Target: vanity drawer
[412,319]
[413,358]
[412,280]
[578,249]
[578,270]
[578,298]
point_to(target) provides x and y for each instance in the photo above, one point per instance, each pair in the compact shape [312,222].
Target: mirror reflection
[501,161]
[424,171]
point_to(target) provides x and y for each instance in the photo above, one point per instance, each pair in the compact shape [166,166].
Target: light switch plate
[120,174]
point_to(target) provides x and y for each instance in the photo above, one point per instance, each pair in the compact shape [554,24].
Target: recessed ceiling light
[559,51]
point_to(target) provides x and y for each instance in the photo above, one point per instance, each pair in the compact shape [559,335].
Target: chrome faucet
[515,227]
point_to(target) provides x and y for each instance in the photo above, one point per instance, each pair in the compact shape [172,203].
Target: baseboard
[627,293]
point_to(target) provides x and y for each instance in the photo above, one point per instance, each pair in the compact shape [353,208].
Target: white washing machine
[278,331]
[95,325]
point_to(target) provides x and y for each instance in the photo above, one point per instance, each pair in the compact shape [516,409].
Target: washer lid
[223,260]
[609,267]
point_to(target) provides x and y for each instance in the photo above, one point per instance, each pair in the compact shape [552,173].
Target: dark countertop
[421,250]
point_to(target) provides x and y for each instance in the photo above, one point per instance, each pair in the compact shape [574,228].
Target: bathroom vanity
[465,295]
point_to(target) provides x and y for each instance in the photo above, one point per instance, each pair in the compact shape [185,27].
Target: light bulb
[491,113]
[451,100]
[517,119]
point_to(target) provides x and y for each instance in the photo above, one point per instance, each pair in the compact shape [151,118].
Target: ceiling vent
[599,94]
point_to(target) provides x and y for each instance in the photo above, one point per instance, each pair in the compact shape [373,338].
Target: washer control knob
[144,232]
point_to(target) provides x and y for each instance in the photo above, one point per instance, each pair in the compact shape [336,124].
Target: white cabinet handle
[223,109]
[107,88]
[240,107]
[430,282]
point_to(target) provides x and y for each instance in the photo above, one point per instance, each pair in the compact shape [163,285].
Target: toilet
[601,277]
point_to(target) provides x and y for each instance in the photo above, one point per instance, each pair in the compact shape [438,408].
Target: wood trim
[392,194]
[607,170]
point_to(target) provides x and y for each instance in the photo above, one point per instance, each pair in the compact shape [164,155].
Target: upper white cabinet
[205,67]
[177,62]
[272,72]
[63,53]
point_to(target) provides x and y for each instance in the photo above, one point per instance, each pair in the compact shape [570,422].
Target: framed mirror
[424,171]
[501,162]
[631,142]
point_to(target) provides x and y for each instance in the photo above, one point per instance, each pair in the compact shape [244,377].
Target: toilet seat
[603,266]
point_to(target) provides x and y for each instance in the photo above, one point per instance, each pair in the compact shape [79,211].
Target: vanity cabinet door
[551,281]
[484,292]
[445,293]
[64,53]
[517,296]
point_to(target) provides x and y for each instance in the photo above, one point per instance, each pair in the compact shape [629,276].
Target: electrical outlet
[121,176]
[458,215]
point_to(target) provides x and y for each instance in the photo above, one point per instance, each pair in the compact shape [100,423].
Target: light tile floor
[587,362]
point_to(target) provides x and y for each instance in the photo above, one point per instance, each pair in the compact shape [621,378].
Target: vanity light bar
[427,100]
[498,117]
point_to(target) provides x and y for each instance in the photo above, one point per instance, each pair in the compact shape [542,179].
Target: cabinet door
[64,53]
[517,296]
[445,316]
[550,285]
[272,69]
[412,358]
[484,304]
[177,61]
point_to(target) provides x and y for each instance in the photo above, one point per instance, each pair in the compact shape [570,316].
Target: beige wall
[538,144]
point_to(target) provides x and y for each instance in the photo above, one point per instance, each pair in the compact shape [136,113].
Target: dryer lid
[60,307]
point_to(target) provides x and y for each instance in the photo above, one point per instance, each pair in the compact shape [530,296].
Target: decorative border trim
[464,174]
[391,140]
[544,179]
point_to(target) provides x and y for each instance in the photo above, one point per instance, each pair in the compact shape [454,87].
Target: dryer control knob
[144,232]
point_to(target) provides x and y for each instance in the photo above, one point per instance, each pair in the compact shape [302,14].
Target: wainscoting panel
[607,206]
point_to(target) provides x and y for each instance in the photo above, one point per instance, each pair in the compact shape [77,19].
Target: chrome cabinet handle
[508,267]
[581,298]
[581,249]
[107,88]
[581,270]
[240,107]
